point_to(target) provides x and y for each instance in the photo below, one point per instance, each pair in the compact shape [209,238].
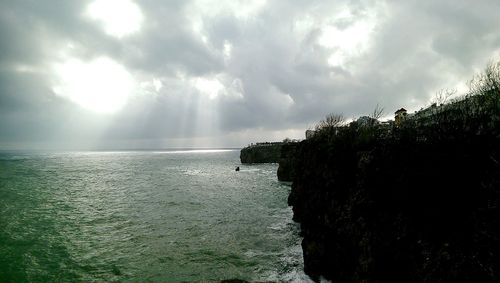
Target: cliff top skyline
[155,74]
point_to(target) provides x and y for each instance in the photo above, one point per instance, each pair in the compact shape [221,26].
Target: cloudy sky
[116,74]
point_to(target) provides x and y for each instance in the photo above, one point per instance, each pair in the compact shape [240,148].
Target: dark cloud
[272,62]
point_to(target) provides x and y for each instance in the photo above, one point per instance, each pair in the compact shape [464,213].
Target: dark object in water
[237,168]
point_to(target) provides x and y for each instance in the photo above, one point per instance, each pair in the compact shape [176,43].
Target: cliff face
[286,169]
[282,153]
[261,153]
[417,203]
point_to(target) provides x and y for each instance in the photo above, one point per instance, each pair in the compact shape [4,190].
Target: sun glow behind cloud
[243,68]
[202,11]
[118,17]
[349,41]
[101,85]
[210,87]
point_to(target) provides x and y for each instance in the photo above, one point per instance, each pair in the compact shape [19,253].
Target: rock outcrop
[286,169]
[418,203]
[261,153]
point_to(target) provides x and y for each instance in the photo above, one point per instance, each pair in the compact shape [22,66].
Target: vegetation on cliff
[412,203]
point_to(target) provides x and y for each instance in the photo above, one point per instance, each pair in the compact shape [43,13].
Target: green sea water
[144,216]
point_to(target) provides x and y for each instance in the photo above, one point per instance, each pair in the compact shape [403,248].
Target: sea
[144,216]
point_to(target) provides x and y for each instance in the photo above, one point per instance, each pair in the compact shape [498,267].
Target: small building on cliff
[399,116]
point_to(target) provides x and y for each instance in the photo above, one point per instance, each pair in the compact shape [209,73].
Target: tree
[377,113]
[442,96]
[330,121]
[488,81]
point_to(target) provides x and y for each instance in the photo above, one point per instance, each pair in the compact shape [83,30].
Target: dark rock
[417,204]
[261,153]
[286,162]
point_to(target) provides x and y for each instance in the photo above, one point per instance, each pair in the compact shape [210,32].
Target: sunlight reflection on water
[137,216]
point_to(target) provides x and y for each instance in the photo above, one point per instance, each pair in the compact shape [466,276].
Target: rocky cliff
[417,203]
[261,153]
[286,169]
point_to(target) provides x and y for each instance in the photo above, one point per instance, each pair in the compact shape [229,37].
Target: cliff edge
[416,202]
[267,152]
[286,169]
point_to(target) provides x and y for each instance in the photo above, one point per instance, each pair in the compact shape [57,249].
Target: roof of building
[400,110]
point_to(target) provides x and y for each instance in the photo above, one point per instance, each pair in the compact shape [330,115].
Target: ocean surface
[144,216]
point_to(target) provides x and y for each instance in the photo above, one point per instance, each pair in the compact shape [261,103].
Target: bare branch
[487,81]
[378,112]
[442,96]
[330,121]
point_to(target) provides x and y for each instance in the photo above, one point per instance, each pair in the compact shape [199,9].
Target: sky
[125,74]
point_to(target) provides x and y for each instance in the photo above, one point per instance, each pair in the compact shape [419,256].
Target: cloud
[226,71]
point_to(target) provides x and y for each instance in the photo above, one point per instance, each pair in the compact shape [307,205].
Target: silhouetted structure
[399,116]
